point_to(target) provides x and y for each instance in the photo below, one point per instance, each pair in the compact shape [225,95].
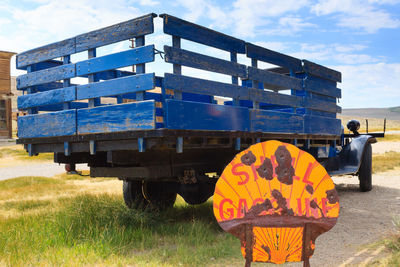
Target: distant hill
[378,113]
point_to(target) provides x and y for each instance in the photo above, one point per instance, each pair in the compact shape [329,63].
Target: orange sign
[277,199]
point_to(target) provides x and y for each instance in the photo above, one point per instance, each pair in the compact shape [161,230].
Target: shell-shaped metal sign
[277,199]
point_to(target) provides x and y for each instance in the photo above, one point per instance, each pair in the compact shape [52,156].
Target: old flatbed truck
[178,139]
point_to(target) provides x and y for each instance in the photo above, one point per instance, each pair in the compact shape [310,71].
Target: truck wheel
[158,196]
[133,196]
[365,171]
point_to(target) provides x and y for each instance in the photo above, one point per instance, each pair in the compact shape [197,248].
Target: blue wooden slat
[274,121]
[60,106]
[321,125]
[47,125]
[266,55]
[202,86]
[321,71]
[274,98]
[115,118]
[118,60]
[47,98]
[315,112]
[202,116]
[199,61]
[112,34]
[54,50]
[44,65]
[196,33]
[46,76]
[115,33]
[323,88]
[321,105]
[274,80]
[124,85]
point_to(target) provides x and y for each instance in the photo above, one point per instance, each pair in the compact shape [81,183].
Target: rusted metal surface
[277,199]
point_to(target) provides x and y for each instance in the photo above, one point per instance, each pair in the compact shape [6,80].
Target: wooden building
[5,95]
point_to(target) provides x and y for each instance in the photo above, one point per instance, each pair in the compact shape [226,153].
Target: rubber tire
[133,196]
[158,198]
[365,171]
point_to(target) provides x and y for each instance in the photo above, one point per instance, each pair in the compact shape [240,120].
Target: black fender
[349,158]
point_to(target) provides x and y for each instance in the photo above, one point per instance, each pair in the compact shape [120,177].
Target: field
[76,220]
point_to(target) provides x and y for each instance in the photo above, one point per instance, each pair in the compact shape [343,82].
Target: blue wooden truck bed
[182,117]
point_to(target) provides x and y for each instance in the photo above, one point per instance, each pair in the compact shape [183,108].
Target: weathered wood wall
[5,94]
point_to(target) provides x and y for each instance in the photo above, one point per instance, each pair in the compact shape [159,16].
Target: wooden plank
[4,68]
[66,94]
[115,33]
[275,121]
[44,65]
[202,86]
[112,34]
[46,76]
[58,123]
[199,61]
[5,85]
[262,96]
[274,80]
[54,50]
[60,106]
[321,125]
[321,71]
[115,118]
[118,60]
[124,85]
[269,56]
[202,116]
[196,33]
[321,105]
[322,88]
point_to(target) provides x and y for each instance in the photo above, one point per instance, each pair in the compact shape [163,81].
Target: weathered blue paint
[321,125]
[112,34]
[322,87]
[115,33]
[115,118]
[274,80]
[321,105]
[54,50]
[57,107]
[275,121]
[117,60]
[196,33]
[269,56]
[46,76]
[199,61]
[47,98]
[119,86]
[202,116]
[321,71]
[202,86]
[58,123]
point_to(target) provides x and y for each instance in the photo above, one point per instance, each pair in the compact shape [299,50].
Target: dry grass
[385,162]
[16,155]
[374,125]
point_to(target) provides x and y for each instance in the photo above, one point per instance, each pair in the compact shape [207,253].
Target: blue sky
[359,38]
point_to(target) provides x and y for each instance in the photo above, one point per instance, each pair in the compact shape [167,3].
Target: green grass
[25,205]
[385,162]
[393,245]
[99,230]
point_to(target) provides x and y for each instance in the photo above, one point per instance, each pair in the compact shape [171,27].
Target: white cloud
[370,85]
[357,14]
[149,3]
